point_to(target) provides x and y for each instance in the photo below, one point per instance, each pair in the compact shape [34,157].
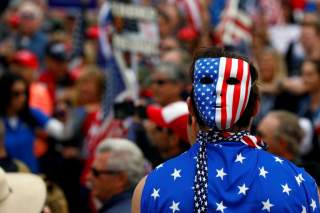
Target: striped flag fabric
[192,9]
[236,24]
[115,84]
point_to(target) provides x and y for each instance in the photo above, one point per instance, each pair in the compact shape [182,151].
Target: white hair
[124,156]
[32,7]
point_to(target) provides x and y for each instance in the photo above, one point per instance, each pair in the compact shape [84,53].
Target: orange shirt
[40,98]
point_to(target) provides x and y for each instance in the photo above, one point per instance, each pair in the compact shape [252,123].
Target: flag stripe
[248,141]
[223,94]
[243,88]
[230,93]
[247,88]
[236,95]
[218,112]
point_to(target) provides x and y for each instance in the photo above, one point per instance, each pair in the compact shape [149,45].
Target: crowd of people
[53,84]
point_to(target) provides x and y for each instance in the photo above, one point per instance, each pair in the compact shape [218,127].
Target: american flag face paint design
[221,90]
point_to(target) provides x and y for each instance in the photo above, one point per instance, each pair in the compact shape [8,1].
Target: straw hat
[21,192]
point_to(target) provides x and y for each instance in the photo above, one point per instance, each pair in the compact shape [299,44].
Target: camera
[125,109]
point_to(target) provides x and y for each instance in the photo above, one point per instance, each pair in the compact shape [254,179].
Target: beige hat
[21,192]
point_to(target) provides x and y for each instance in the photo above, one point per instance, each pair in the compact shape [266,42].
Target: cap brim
[28,194]
[154,114]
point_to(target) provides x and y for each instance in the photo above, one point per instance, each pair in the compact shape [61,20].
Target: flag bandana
[221,90]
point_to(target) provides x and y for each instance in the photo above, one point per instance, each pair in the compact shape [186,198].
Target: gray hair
[124,156]
[289,129]
[173,71]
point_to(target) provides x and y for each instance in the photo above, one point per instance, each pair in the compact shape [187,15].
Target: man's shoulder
[286,169]
[181,161]
[122,205]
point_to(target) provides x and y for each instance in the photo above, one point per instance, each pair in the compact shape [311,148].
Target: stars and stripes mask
[221,90]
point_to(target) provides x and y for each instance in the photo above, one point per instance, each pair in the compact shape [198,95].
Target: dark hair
[6,83]
[213,52]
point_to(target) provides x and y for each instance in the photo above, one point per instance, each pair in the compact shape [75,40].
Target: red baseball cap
[26,58]
[173,116]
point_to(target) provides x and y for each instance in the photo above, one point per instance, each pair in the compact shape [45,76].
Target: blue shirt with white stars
[240,179]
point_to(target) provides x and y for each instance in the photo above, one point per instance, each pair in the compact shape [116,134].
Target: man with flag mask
[226,169]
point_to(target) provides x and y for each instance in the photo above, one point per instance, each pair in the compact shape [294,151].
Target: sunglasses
[16,94]
[160,82]
[96,173]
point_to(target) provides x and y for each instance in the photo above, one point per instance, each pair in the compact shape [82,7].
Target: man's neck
[172,152]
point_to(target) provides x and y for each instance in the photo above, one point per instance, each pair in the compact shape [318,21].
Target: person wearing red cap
[167,128]
[25,64]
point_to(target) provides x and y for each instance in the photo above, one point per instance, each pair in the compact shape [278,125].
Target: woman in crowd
[309,105]
[272,70]
[23,123]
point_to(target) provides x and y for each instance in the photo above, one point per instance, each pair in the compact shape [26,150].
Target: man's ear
[190,107]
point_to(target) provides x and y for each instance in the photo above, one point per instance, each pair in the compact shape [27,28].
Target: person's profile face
[266,131]
[18,96]
[221,90]
[310,76]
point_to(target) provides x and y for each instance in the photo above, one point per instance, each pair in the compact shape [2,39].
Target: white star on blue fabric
[267,205]
[220,173]
[155,193]
[174,207]
[286,189]
[299,179]
[304,210]
[159,166]
[243,189]
[263,172]
[277,159]
[240,158]
[176,174]
[220,207]
[313,204]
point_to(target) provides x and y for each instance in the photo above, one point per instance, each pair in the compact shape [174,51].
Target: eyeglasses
[161,82]
[96,173]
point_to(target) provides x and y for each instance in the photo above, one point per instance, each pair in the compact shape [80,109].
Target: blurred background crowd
[92,92]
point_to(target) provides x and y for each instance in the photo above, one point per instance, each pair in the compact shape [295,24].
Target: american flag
[115,83]
[236,23]
[232,102]
[240,178]
[104,124]
[192,9]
